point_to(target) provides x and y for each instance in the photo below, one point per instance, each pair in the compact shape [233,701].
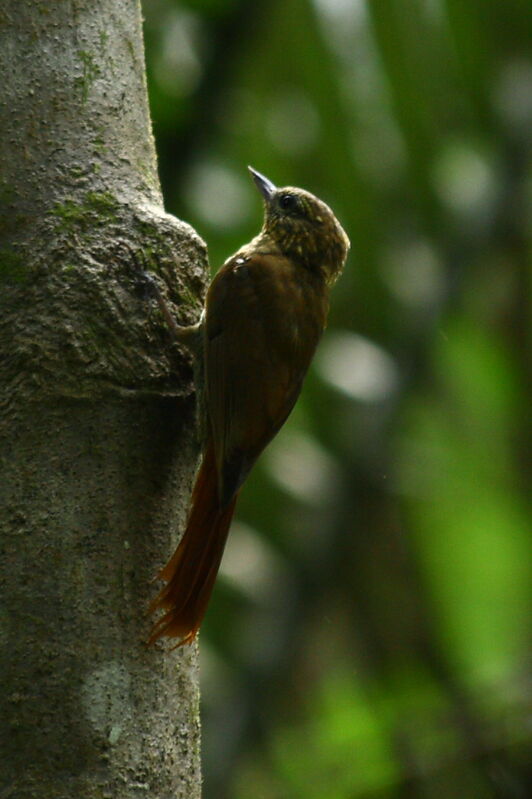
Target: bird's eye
[288,202]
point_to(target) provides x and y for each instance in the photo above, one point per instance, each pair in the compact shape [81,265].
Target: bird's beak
[265,186]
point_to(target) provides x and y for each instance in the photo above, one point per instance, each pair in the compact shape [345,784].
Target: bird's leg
[185,334]
[189,335]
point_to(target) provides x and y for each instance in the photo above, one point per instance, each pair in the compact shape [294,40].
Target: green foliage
[369,635]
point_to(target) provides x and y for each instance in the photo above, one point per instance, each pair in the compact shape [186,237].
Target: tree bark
[97,449]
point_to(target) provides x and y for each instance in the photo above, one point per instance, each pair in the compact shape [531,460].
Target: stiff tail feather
[191,571]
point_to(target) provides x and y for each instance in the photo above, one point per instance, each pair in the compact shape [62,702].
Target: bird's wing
[262,326]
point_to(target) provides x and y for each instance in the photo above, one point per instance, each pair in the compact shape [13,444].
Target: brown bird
[264,313]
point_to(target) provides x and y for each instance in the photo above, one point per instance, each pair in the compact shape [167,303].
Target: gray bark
[97,449]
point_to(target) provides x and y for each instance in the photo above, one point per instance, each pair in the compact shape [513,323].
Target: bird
[265,311]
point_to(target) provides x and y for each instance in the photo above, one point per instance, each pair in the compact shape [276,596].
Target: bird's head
[303,228]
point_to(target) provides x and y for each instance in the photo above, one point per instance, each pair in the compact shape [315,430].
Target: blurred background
[370,632]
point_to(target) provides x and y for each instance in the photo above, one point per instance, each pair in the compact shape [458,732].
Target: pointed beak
[265,186]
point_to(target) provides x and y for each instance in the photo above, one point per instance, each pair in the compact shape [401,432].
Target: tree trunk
[96,415]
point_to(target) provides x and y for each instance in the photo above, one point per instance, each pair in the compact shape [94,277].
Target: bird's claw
[147,286]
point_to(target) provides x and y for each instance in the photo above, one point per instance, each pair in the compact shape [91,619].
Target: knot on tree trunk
[74,321]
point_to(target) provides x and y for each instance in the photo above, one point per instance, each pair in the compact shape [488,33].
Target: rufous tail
[191,571]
